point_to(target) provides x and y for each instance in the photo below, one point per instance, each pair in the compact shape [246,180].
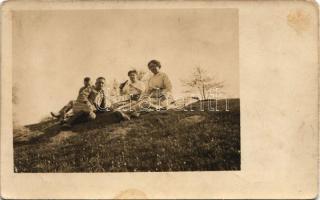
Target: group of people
[92,99]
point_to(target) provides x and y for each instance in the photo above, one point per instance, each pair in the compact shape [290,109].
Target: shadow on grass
[52,128]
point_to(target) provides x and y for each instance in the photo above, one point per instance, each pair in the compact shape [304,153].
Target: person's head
[100,83]
[154,66]
[86,81]
[133,75]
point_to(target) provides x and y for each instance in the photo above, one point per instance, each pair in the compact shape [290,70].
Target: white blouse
[160,81]
[132,88]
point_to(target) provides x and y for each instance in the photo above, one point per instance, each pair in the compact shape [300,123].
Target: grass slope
[157,141]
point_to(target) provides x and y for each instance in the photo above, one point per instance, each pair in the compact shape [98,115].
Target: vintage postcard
[159,99]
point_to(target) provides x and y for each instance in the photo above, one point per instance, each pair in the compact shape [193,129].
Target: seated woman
[134,88]
[130,90]
[159,85]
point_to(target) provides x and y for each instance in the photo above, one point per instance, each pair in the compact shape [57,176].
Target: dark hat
[132,71]
[154,62]
[100,78]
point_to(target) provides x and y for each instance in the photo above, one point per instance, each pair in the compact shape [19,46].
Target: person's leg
[63,112]
[76,118]
[131,109]
[91,116]
[122,115]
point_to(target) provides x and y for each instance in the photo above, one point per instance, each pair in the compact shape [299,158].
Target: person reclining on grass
[89,104]
[82,97]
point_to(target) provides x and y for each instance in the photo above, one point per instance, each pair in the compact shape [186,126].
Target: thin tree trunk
[203,91]
[202,97]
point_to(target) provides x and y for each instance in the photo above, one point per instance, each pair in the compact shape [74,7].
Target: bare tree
[201,82]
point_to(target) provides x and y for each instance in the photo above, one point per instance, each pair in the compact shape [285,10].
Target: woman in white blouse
[159,85]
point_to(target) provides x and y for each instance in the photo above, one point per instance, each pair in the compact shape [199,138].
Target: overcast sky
[54,50]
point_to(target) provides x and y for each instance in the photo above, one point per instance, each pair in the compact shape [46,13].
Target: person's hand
[155,89]
[162,97]
[87,103]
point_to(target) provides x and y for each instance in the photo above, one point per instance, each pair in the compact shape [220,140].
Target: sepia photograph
[126,90]
[170,99]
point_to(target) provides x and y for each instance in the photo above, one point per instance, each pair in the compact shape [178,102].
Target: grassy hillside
[157,141]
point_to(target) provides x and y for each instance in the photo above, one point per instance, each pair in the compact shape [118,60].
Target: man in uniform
[82,97]
[90,103]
